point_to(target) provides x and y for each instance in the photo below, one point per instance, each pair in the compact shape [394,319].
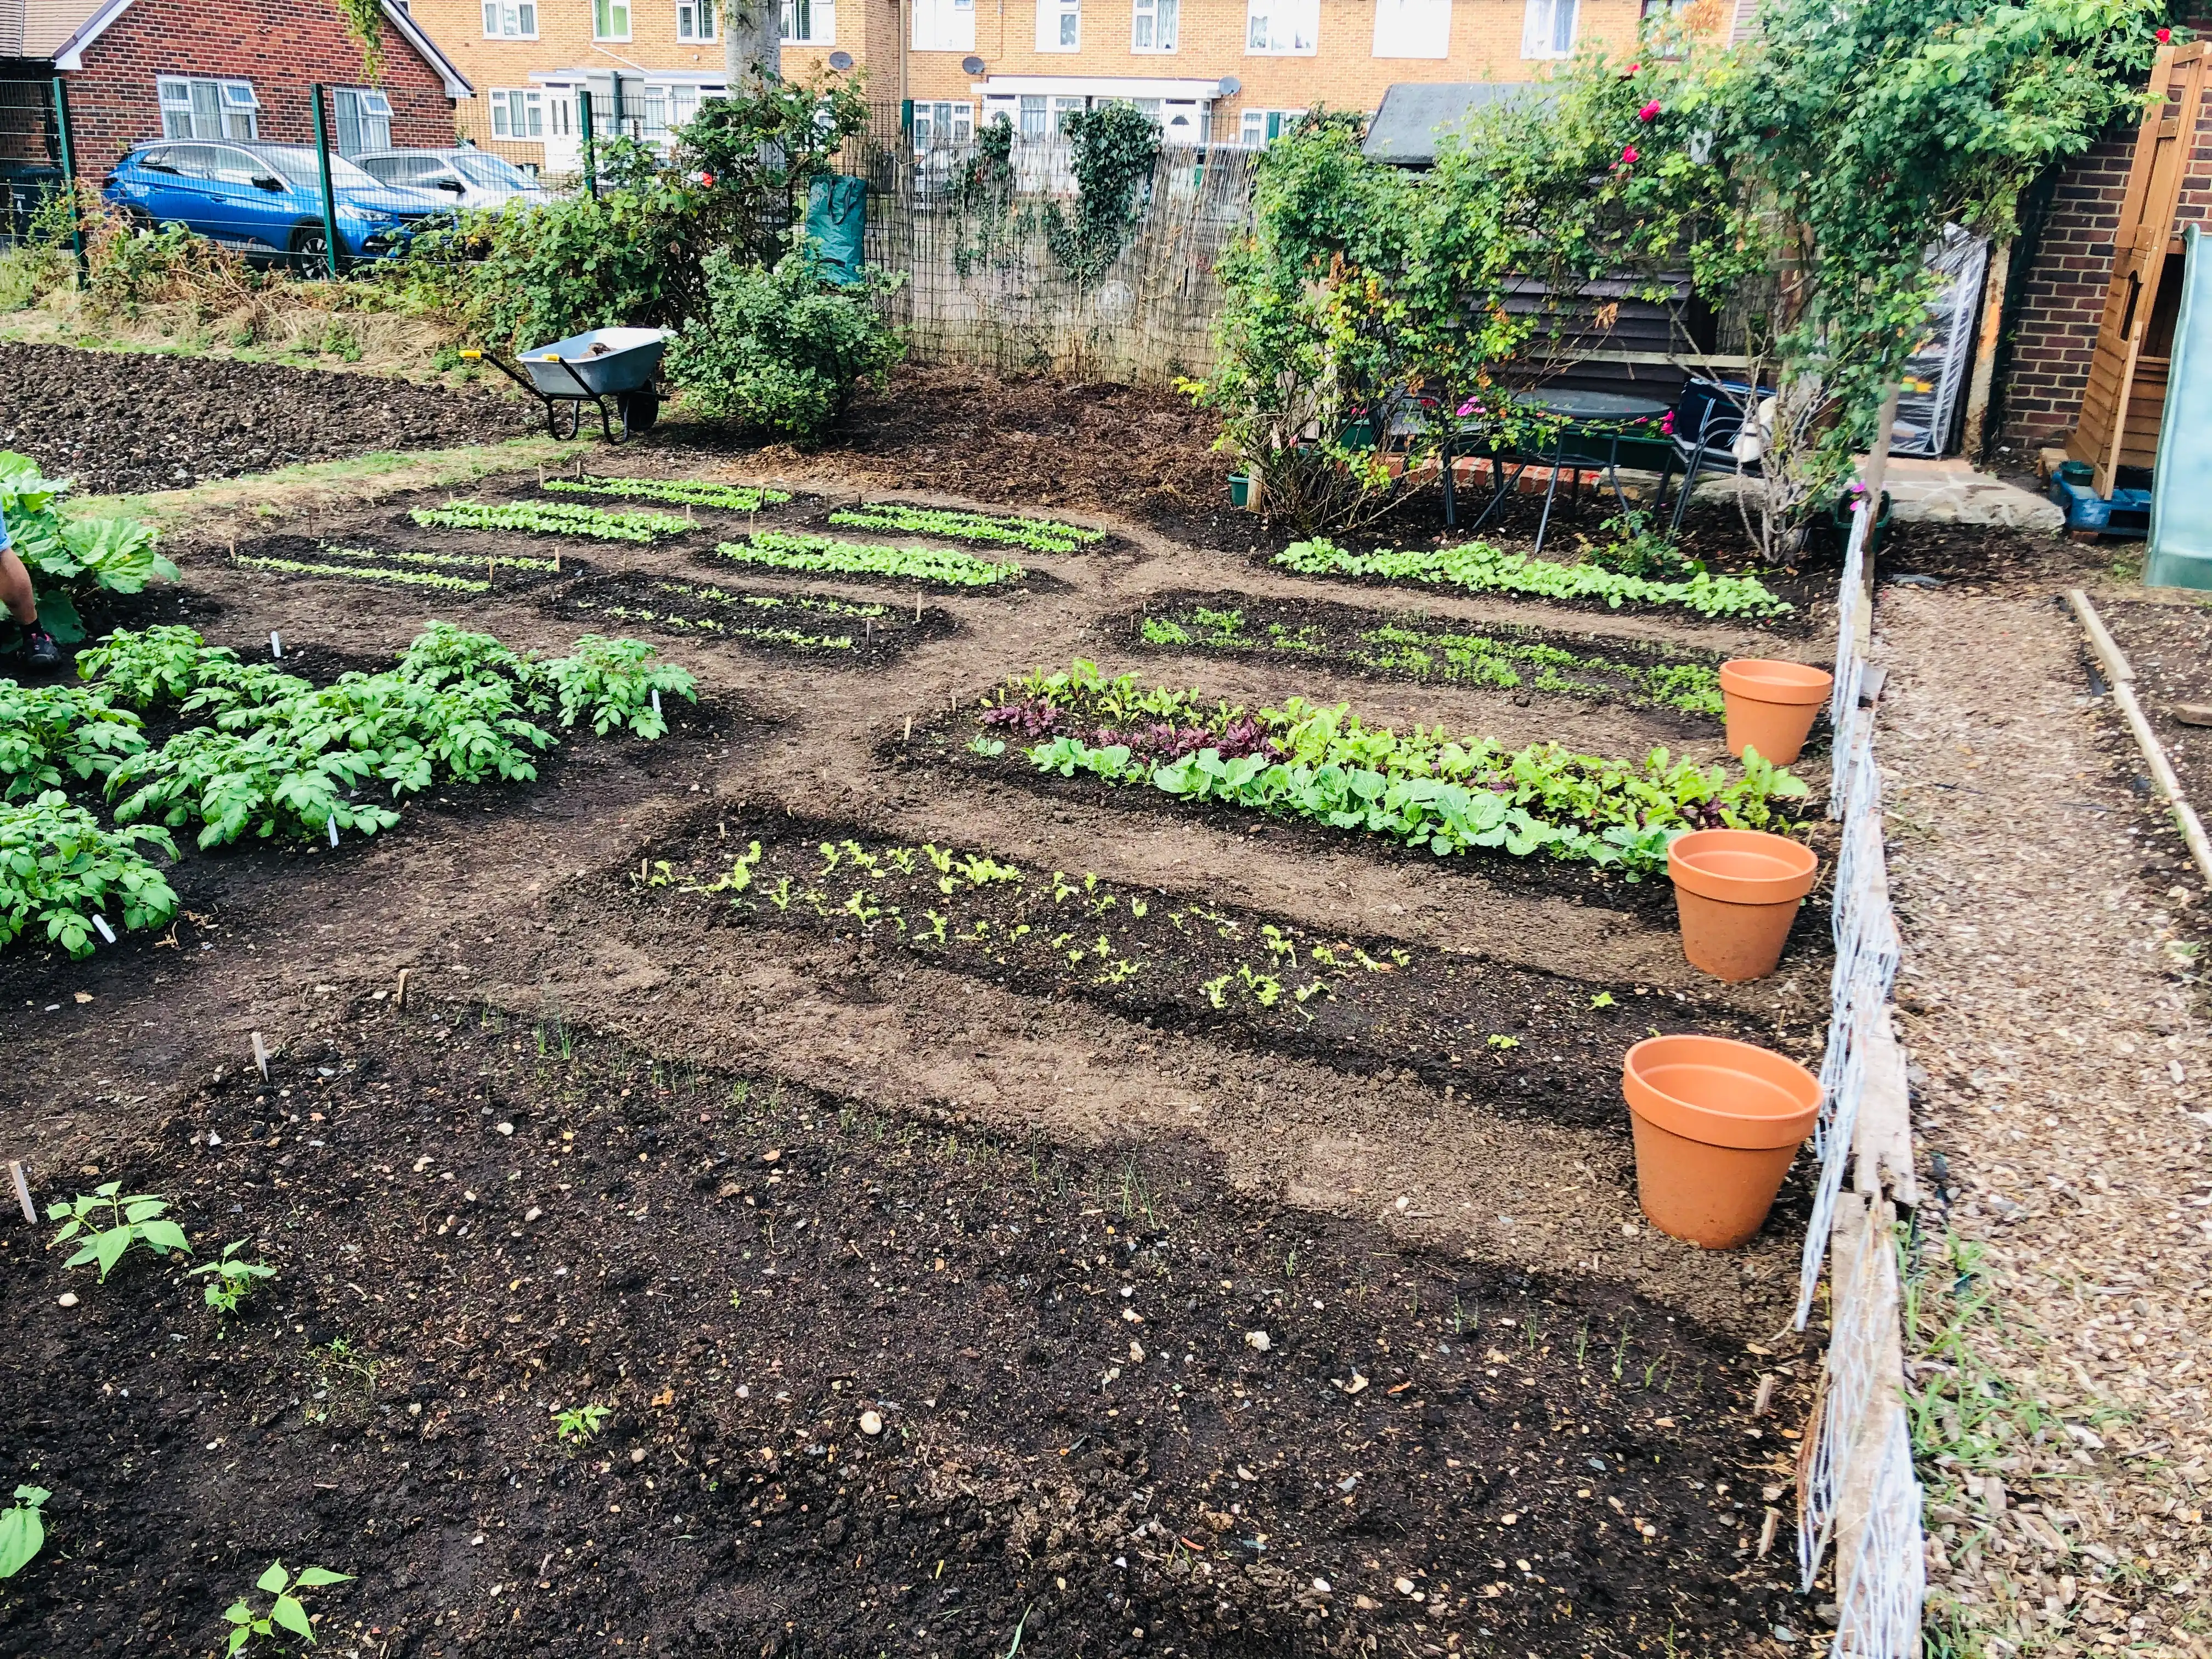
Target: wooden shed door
[2125,397]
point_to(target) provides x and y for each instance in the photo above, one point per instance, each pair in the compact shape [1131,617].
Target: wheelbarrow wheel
[639,411]
[560,410]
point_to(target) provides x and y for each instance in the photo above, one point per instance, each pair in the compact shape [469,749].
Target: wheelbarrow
[617,364]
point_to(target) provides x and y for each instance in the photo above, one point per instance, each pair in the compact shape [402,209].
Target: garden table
[1579,429]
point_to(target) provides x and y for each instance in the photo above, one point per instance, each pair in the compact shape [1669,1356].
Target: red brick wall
[2053,319]
[281,46]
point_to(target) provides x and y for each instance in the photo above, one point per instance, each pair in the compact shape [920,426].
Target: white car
[467,177]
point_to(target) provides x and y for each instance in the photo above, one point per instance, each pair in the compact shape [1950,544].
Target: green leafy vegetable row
[1038,535]
[1424,787]
[367,573]
[447,561]
[1483,568]
[552,519]
[695,492]
[1429,652]
[792,551]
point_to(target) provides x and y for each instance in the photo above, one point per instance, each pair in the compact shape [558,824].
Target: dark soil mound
[119,422]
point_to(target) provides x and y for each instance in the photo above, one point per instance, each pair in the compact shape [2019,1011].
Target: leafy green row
[695,492]
[792,551]
[1038,535]
[1484,568]
[284,756]
[1465,659]
[552,519]
[763,632]
[48,732]
[367,573]
[59,869]
[448,560]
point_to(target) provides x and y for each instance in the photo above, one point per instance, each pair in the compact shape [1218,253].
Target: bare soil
[122,421]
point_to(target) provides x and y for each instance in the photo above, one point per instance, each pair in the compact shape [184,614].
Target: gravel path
[2060,1063]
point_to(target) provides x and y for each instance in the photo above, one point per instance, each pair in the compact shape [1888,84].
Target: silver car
[466,177]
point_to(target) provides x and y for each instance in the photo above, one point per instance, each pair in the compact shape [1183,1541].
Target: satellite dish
[840,61]
[971,65]
[1230,86]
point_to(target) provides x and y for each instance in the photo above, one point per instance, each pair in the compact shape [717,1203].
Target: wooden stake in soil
[1766,1532]
[22,1190]
[399,997]
[261,1056]
[275,645]
[1764,1402]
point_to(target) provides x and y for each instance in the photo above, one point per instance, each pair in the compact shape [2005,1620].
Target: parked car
[266,199]
[464,176]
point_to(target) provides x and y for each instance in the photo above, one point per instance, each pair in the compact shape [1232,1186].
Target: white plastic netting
[1857,1490]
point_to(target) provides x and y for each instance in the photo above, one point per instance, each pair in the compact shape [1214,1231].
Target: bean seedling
[231,1280]
[579,1423]
[284,1612]
[108,1223]
[22,1531]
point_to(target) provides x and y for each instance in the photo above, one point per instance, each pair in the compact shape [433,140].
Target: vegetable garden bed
[1395,645]
[435,574]
[1078,1434]
[1499,1037]
[818,626]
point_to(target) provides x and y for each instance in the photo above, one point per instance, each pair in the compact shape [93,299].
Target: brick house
[1222,71]
[2061,268]
[136,70]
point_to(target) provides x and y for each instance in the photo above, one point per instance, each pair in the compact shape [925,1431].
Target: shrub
[781,350]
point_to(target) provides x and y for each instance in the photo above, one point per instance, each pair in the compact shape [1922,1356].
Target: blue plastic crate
[2128,512]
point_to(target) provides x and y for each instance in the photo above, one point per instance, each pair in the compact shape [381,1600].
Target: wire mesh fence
[1857,1493]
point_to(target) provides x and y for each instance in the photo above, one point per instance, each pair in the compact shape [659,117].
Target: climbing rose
[1628,157]
[1649,112]
[2164,35]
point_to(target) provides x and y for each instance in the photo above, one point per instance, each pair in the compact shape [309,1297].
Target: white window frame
[1252,126]
[1543,26]
[498,14]
[820,17]
[371,118]
[1413,28]
[697,20]
[1284,28]
[952,25]
[1163,17]
[608,11]
[1060,25]
[234,101]
[1029,105]
[959,120]
[508,103]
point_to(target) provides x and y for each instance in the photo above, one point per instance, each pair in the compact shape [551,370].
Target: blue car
[266,200]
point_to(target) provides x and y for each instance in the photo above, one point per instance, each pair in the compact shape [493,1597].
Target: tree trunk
[753,42]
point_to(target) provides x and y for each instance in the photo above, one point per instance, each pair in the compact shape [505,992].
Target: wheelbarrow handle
[507,369]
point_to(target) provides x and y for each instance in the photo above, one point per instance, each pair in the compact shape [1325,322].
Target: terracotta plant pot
[1716,1123]
[1771,705]
[1737,891]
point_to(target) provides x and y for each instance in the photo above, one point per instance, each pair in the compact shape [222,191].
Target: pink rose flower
[1649,112]
[1628,156]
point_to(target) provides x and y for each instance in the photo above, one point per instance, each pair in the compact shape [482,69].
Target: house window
[1413,29]
[943,122]
[1059,25]
[1153,27]
[1264,126]
[362,116]
[811,22]
[695,20]
[1547,29]
[1034,119]
[518,113]
[207,109]
[611,19]
[510,19]
[1285,28]
[944,25]
[1061,109]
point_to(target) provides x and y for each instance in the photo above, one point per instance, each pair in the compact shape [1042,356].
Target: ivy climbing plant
[984,201]
[365,23]
[1113,151]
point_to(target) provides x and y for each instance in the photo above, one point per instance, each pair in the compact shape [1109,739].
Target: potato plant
[1037,534]
[51,733]
[552,519]
[59,870]
[689,492]
[792,551]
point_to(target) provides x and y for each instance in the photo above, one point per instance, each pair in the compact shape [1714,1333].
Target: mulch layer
[2170,648]
[892,1389]
[123,422]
